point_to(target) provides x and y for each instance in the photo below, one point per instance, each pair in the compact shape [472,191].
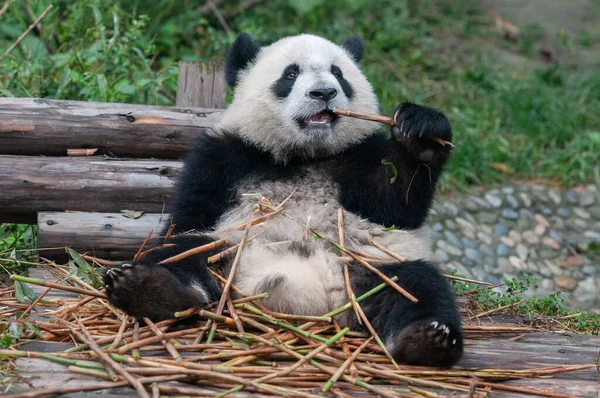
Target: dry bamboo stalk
[166,343]
[380,119]
[342,238]
[87,338]
[351,295]
[345,365]
[57,286]
[232,272]
[119,335]
[194,251]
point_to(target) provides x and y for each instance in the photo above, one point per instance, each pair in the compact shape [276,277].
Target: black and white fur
[278,137]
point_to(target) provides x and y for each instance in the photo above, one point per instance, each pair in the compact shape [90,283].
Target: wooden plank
[31,126]
[110,236]
[97,184]
[201,85]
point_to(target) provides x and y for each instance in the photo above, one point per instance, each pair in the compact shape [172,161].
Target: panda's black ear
[240,54]
[355,47]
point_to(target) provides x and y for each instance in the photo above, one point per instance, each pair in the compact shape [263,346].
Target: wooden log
[201,85]
[109,236]
[49,127]
[30,184]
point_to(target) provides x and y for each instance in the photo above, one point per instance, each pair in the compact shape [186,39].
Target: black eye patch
[346,87]
[283,85]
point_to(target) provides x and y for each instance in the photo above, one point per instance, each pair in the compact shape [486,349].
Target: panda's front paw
[429,342]
[420,125]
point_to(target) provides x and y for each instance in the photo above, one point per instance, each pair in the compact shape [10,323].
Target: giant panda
[280,140]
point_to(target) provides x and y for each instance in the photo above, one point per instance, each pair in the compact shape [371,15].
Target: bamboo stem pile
[236,346]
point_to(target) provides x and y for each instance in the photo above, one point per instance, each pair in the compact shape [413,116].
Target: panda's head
[284,94]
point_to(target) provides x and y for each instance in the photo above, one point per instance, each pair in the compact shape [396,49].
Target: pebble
[587,199]
[482,236]
[522,252]
[573,261]
[531,237]
[579,224]
[545,210]
[471,206]
[502,250]
[468,242]
[441,256]
[472,254]
[512,201]
[590,269]
[508,190]
[482,203]
[464,224]
[557,223]
[526,199]
[501,229]
[510,214]
[507,241]
[593,235]
[469,233]
[540,230]
[451,225]
[541,220]
[551,243]
[517,263]
[437,227]
[505,265]
[555,196]
[515,235]
[565,282]
[493,200]
[453,239]
[564,212]
[448,248]
[552,267]
[487,217]
[486,250]
[581,213]
[572,197]
[587,291]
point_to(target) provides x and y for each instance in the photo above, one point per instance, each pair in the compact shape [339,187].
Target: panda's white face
[283,99]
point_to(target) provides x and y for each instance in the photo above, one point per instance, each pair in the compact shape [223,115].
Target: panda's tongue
[321,117]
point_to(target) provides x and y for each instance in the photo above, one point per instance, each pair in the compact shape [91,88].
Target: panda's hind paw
[429,342]
[148,290]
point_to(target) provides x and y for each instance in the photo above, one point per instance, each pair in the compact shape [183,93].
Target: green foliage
[17,245]
[553,305]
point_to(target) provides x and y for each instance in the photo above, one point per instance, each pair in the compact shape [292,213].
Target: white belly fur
[299,283]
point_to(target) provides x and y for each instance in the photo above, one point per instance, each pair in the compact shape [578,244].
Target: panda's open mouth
[321,119]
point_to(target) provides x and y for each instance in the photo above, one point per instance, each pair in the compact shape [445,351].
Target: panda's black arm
[365,172]
[211,170]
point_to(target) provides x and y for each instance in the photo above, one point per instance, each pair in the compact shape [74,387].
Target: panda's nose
[324,94]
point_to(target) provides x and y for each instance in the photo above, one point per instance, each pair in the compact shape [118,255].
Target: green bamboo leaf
[35,330]
[80,261]
[29,293]
[19,292]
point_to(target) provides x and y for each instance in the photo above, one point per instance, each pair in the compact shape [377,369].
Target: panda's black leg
[147,289]
[426,333]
